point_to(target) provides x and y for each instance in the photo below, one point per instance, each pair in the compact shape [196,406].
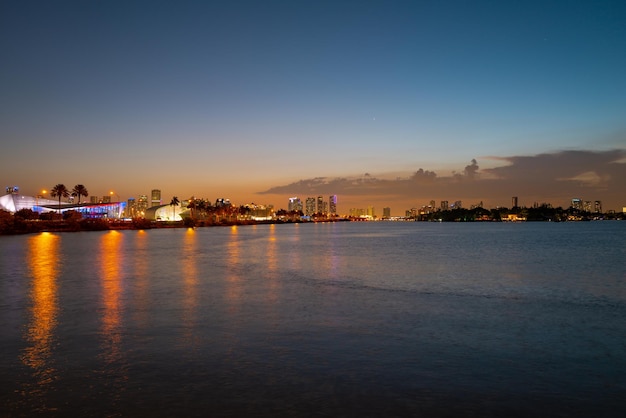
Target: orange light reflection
[110,261]
[43,259]
[190,277]
[233,292]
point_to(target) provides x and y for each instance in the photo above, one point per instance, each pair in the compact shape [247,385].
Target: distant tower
[320,204]
[444,205]
[131,208]
[514,202]
[597,206]
[156,197]
[142,205]
[310,206]
[332,199]
[295,204]
[386,213]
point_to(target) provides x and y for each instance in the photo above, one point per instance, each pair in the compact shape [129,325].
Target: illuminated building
[332,200]
[444,205]
[14,202]
[320,204]
[310,206]
[155,197]
[597,206]
[142,205]
[131,208]
[577,203]
[295,204]
[164,213]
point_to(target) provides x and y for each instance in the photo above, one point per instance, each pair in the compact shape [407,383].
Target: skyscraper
[142,205]
[310,206]
[597,206]
[333,204]
[320,204]
[514,202]
[295,204]
[156,197]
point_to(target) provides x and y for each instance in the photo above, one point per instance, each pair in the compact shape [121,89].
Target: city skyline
[385,105]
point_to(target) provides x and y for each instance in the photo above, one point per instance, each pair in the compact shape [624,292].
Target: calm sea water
[337,319]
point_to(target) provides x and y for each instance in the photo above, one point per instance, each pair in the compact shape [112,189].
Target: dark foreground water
[344,319]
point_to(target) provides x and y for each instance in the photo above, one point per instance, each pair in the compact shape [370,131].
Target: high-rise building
[371,212]
[444,205]
[142,205]
[295,204]
[514,202]
[332,200]
[320,204]
[131,208]
[577,203]
[106,199]
[155,197]
[386,213]
[587,205]
[93,199]
[597,206]
[310,206]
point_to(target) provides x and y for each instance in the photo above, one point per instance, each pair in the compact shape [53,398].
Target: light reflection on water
[233,278]
[189,278]
[327,319]
[110,261]
[44,262]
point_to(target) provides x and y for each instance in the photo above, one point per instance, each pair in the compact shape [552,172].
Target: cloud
[560,176]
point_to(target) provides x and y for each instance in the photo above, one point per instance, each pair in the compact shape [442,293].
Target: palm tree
[174,202]
[80,190]
[61,191]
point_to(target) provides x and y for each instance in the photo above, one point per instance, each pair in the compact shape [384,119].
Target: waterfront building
[310,206]
[444,205]
[131,208]
[333,204]
[155,197]
[14,202]
[597,206]
[164,213]
[142,205]
[295,204]
[320,204]
[514,202]
[386,213]
[577,203]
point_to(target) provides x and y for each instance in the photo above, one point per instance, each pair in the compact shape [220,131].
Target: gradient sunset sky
[384,103]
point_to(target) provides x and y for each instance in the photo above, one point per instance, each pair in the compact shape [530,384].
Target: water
[337,319]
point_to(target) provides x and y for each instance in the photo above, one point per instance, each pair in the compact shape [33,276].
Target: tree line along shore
[26,221]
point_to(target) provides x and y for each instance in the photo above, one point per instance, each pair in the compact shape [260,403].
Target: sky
[383,103]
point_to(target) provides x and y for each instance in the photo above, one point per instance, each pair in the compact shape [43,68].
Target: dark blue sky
[233,98]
